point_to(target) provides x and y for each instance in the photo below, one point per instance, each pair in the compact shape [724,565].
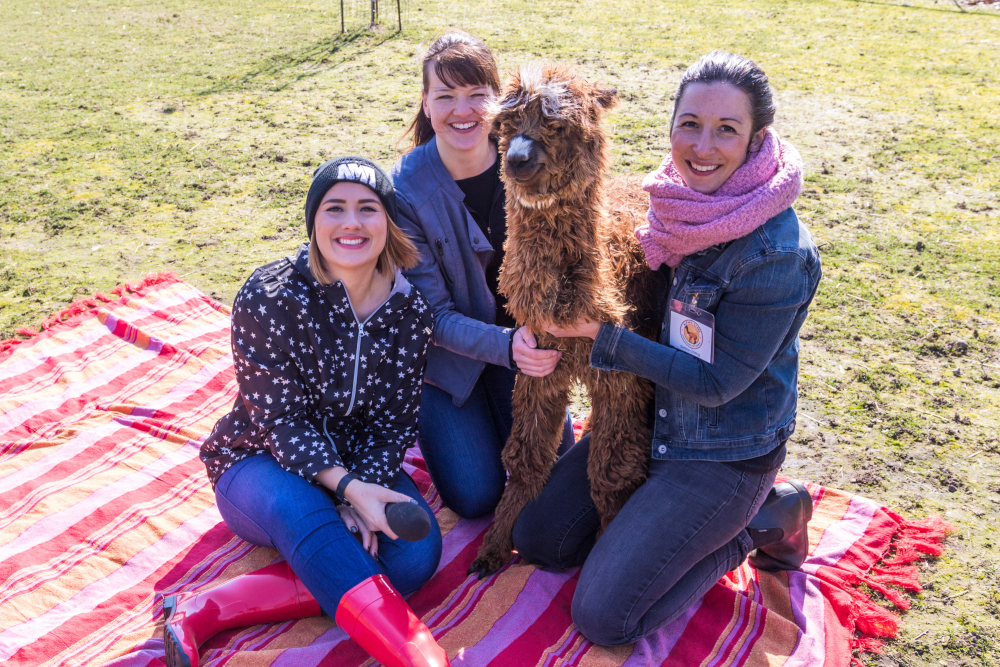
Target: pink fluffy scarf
[682,221]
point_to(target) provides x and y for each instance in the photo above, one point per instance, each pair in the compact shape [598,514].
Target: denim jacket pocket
[700,292]
[708,418]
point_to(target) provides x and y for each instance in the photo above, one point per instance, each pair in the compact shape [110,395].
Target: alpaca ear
[495,125]
[606,98]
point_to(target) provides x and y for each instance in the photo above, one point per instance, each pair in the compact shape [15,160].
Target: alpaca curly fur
[567,260]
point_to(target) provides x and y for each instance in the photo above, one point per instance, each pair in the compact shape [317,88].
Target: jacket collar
[335,293]
[440,172]
[477,239]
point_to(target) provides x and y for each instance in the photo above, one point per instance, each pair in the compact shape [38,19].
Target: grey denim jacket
[451,274]
[759,288]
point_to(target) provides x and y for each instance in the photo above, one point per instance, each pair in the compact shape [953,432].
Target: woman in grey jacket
[451,204]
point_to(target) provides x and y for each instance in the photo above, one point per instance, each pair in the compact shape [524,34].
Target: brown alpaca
[566,261]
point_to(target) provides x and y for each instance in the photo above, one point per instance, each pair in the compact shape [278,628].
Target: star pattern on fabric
[317,387]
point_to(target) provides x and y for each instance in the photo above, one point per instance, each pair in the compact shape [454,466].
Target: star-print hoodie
[318,387]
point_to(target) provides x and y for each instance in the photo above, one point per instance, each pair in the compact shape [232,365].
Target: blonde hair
[398,253]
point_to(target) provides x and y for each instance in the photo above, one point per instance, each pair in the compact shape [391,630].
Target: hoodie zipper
[357,351]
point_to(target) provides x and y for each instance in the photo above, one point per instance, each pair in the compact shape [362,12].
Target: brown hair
[398,253]
[745,74]
[459,59]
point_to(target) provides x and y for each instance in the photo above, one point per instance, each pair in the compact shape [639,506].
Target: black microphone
[408,520]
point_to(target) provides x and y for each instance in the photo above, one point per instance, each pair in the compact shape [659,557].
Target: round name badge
[691,331]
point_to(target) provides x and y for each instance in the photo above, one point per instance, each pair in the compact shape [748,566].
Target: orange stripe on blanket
[602,656]
[500,594]
[829,509]
[780,634]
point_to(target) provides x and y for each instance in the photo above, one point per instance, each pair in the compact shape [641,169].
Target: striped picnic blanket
[105,507]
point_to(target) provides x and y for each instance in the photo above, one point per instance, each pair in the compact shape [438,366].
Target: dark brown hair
[459,59]
[745,74]
[398,253]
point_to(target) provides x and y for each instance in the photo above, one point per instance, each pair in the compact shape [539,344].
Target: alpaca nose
[519,153]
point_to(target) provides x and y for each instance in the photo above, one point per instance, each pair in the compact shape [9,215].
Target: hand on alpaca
[529,359]
[580,329]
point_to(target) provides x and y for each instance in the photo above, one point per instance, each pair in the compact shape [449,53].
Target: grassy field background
[149,136]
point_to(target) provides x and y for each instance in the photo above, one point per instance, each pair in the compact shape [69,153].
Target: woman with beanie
[738,272]
[329,350]
[451,203]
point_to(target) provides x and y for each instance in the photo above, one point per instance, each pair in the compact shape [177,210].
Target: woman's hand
[356,525]
[581,329]
[368,501]
[529,359]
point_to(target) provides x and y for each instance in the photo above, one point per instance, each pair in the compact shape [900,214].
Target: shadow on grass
[953,8]
[282,70]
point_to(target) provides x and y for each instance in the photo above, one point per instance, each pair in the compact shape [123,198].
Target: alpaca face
[548,127]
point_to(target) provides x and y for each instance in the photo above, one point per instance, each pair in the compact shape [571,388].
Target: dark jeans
[676,536]
[268,506]
[462,446]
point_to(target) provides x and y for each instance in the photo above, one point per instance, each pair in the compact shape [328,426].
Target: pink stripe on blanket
[101,342]
[128,575]
[13,418]
[312,655]
[746,614]
[72,347]
[841,536]
[459,537]
[533,599]
[57,523]
[60,454]
[808,609]
[662,642]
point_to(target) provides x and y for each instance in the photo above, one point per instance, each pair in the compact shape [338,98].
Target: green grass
[144,136]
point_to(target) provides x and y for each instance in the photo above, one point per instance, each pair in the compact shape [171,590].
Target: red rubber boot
[375,615]
[270,595]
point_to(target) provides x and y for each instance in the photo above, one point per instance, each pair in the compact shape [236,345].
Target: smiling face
[456,113]
[350,228]
[711,134]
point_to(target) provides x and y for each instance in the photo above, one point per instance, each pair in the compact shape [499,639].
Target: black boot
[779,530]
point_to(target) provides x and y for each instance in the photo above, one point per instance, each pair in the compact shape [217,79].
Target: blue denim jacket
[759,288]
[451,274]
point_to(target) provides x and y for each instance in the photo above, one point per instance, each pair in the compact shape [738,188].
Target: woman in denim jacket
[728,246]
[451,203]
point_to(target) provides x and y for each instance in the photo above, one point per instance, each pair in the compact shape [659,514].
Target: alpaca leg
[620,439]
[530,453]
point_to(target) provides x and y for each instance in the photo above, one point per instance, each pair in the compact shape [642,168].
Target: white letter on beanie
[352,171]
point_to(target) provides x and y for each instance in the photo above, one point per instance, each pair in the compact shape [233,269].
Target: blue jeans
[268,506]
[462,446]
[677,535]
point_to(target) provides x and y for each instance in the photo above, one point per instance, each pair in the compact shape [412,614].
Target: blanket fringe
[86,305]
[913,541]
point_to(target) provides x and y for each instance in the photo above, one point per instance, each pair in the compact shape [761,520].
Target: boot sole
[175,655]
[794,558]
